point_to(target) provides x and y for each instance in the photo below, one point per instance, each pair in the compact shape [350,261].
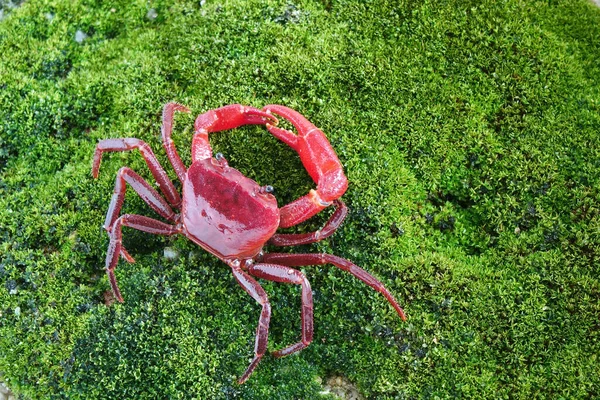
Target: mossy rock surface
[469,131]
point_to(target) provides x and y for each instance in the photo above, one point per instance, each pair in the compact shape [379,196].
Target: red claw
[221,119]
[319,159]
[232,116]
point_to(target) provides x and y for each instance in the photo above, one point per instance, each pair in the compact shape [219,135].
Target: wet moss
[470,135]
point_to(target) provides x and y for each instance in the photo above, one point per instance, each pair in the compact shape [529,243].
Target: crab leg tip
[176,107]
[403,316]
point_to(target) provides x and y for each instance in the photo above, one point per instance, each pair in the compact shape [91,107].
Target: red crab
[233,217]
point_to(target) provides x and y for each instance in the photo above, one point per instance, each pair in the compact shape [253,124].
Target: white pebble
[80,36]
[170,253]
[152,14]
[3,390]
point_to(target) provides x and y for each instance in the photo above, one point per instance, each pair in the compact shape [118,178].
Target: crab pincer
[320,161]
[221,119]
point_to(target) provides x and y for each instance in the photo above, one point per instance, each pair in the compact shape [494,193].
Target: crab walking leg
[294,260]
[166,131]
[221,119]
[279,273]
[320,161]
[140,223]
[334,222]
[159,174]
[143,189]
[254,289]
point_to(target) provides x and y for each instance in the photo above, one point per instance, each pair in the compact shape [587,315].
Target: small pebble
[170,253]
[342,388]
[152,14]
[49,16]
[3,389]
[18,311]
[80,36]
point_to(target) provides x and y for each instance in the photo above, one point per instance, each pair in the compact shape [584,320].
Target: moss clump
[469,132]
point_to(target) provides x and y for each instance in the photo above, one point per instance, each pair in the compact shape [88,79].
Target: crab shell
[225,212]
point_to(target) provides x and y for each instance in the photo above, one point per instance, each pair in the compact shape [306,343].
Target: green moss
[469,132]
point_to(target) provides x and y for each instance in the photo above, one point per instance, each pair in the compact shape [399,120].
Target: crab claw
[319,159]
[232,116]
[221,119]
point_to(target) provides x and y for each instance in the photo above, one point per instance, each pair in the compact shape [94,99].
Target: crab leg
[166,131]
[140,223]
[220,119]
[279,273]
[159,174]
[254,289]
[143,189]
[320,161]
[294,260]
[334,222]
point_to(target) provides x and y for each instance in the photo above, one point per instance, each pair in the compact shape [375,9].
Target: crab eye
[266,189]
[221,160]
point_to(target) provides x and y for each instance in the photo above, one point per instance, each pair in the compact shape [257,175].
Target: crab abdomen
[225,212]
